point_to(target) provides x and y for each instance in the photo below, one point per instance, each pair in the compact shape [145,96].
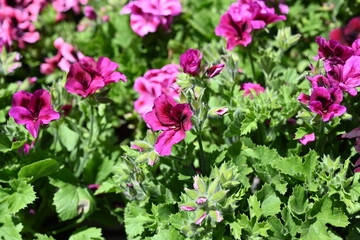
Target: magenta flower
[33,110]
[190,61]
[87,76]
[332,49]
[325,102]
[247,87]
[62,6]
[90,13]
[171,117]
[147,15]
[347,76]
[243,17]
[347,34]
[307,138]
[214,70]
[153,84]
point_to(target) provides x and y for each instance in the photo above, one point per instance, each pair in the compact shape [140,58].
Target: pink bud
[307,138]
[214,70]
[90,13]
[201,200]
[199,221]
[187,208]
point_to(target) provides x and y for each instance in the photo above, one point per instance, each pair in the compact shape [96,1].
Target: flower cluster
[341,64]
[33,110]
[348,34]
[153,84]
[87,76]
[66,55]
[242,18]
[170,117]
[147,15]
[16,21]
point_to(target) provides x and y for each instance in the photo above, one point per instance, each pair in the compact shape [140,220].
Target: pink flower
[153,84]
[33,110]
[147,15]
[243,17]
[214,70]
[357,166]
[330,49]
[171,117]
[62,6]
[307,138]
[90,13]
[247,87]
[347,34]
[190,61]
[66,55]
[325,102]
[87,76]
[347,76]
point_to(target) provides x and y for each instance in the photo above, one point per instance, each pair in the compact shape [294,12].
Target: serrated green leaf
[298,201]
[270,203]
[43,237]
[248,125]
[39,169]
[254,206]
[136,219]
[20,195]
[88,234]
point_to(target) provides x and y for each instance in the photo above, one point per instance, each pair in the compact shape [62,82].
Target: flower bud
[201,200]
[190,61]
[200,219]
[214,70]
[187,208]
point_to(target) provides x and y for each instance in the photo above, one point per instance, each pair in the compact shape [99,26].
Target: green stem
[83,160]
[77,222]
[251,63]
[202,156]
[261,133]
[320,143]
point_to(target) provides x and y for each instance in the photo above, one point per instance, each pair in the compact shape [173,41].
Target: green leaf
[71,201]
[270,203]
[254,206]
[39,169]
[68,137]
[43,237]
[298,200]
[8,230]
[5,143]
[248,125]
[166,234]
[19,196]
[88,234]
[136,218]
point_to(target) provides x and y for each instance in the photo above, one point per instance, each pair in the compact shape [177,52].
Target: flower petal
[47,115]
[21,115]
[33,128]
[167,139]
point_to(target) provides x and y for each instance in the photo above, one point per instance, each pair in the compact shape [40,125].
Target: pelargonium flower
[243,17]
[153,84]
[347,76]
[66,55]
[62,6]
[90,13]
[170,117]
[333,49]
[33,110]
[348,34]
[190,61]
[325,102]
[88,76]
[147,15]
[247,87]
